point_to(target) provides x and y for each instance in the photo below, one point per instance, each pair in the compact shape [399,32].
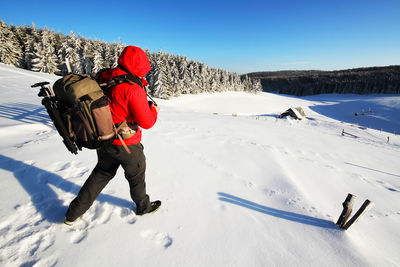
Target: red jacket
[130,99]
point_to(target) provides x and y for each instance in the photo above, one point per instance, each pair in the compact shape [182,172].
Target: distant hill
[373,80]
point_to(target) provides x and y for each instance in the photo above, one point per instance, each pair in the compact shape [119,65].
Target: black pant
[110,157]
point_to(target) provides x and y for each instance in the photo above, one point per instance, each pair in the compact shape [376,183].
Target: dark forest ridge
[369,80]
[298,73]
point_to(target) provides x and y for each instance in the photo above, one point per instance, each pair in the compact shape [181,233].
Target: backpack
[79,110]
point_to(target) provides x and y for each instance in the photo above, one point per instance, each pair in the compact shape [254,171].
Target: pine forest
[44,50]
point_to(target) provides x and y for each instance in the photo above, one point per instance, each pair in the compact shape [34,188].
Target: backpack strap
[118,80]
[130,76]
[114,81]
[125,78]
[97,75]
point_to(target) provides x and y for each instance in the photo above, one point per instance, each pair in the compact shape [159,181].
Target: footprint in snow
[387,186]
[30,162]
[127,215]
[62,166]
[161,239]
[46,262]
[80,231]
[79,236]
[43,132]
[101,214]
[249,184]
[22,242]
[37,242]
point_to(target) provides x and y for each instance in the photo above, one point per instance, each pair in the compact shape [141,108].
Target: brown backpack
[79,109]
[85,110]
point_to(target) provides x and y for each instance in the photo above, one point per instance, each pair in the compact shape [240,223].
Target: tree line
[373,80]
[44,50]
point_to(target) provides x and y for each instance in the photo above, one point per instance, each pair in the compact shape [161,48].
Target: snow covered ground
[239,186]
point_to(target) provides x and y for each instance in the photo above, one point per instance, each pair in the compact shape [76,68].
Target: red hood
[135,60]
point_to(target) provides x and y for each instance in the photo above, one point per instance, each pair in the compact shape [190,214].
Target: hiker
[127,101]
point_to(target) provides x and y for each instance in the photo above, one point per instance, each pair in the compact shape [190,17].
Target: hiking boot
[154,206]
[69,223]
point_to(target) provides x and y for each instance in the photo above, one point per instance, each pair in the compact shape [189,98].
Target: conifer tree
[116,51]
[10,49]
[198,77]
[29,42]
[107,55]
[163,84]
[256,84]
[74,52]
[174,75]
[184,82]
[153,74]
[213,82]
[246,83]
[192,78]
[150,75]
[87,55]
[21,36]
[45,58]
[98,60]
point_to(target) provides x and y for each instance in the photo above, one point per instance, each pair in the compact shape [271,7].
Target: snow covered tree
[251,85]
[205,77]
[192,78]
[213,81]
[74,52]
[116,51]
[98,59]
[257,86]
[151,74]
[21,37]
[87,55]
[184,82]
[198,77]
[163,79]
[29,44]
[107,55]
[61,52]
[174,75]
[45,58]
[10,49]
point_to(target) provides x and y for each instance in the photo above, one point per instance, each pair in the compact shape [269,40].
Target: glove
[154,106]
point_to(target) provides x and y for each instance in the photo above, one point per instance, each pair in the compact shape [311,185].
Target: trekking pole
[50,103]
[44,91]
[152,100]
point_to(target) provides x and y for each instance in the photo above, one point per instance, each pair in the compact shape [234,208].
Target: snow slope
[239,186]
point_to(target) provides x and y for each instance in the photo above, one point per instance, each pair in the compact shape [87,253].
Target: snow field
[239,187]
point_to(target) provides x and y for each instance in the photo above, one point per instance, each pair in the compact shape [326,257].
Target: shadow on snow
[38,184]
[370,169]
[24,112]
[370,112]
[286,215]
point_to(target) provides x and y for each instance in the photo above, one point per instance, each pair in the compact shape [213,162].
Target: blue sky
[240,36]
